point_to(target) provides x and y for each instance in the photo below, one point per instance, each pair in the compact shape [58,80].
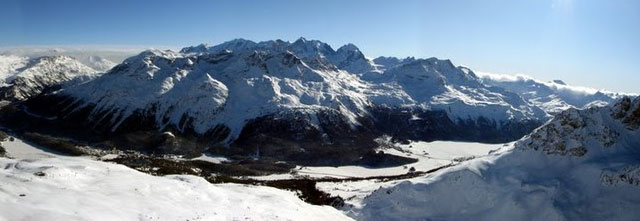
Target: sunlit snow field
[40,185]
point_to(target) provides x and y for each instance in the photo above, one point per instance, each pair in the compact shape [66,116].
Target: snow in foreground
[583,165]
[49,187]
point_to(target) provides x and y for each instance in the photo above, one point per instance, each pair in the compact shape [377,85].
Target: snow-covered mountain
[40,185]
[21,77]
[553,97]
[390,62]
[100,58]
[582,165]
[301,90]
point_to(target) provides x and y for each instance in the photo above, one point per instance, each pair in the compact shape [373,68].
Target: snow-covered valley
[429,155]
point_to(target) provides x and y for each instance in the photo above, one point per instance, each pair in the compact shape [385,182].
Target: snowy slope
[224,88]
[221,88]
[9,65]
[22,77]
[50,187]
[582,165]
[553,97]
[438,84]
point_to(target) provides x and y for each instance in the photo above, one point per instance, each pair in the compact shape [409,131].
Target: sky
[594,43]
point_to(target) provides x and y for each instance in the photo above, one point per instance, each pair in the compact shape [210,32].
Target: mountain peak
[238,44]
[559,82]
[390,62]
[25,77]
[301,40]
[349,47]
[195,49]
[311,43]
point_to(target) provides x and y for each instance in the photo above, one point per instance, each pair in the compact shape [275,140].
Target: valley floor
[430,155]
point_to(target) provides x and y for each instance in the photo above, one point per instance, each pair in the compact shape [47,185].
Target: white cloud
[524,79]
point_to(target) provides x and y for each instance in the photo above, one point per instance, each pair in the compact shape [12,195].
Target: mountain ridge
[298,98]
[25,77]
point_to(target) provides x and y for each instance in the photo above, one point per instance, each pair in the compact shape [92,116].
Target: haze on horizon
[587,43]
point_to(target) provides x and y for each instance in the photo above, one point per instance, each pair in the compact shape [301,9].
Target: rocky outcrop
[628,111]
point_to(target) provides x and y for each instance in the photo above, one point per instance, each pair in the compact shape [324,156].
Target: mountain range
[300,101]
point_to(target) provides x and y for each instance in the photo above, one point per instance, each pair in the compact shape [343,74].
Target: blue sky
[591,43]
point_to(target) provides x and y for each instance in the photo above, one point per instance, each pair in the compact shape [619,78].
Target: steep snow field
[583,165]
[39,185]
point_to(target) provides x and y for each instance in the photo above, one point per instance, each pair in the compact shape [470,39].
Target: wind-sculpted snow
[582,165]
[230,84]
[22,77]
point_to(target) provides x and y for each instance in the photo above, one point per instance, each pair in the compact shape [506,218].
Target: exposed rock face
[621,176]
[628,111]
[564,135]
